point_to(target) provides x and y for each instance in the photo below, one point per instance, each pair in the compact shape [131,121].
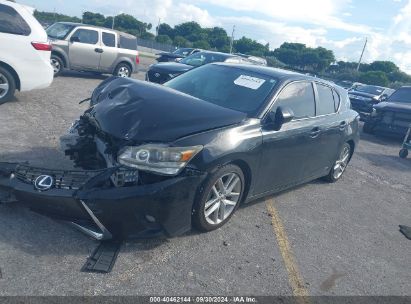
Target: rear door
[332,125]
[85,53]
[109,49]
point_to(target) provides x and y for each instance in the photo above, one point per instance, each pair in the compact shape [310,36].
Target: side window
[109,39]
[12,23]
[337,100]
[325,102]
[299,97]
[86,36]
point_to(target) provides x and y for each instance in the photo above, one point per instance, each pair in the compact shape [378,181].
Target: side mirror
[74,39]
[281,116]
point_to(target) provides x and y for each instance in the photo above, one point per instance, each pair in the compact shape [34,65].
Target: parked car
[254,59]
[89,48]
[24,51]
[177,55]
[164,71]
[346,84]
[160,158]
[392,116]
[364,97]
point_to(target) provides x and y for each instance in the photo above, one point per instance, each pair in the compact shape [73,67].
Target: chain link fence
[154,45]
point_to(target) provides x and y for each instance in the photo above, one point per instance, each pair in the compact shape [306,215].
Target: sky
[339,25]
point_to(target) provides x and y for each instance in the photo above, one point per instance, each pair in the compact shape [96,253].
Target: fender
[60,51]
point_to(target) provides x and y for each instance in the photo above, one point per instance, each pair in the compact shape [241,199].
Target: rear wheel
[7,85]
[340,164]
[57,64]
[219,198]
[122,70]
[403,153]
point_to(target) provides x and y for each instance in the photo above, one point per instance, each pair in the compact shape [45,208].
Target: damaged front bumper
[89,200]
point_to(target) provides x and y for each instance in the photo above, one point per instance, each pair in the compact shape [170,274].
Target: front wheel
[219,198]
[340,164]
[122,70]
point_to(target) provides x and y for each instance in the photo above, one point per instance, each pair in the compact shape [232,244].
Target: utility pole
[112,24]
[362,54]
[232,40]
[158,26]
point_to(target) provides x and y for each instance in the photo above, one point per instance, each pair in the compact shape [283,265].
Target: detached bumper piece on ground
[103,258]
[89,201]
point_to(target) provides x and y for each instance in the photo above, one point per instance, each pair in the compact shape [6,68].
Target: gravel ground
[343,237]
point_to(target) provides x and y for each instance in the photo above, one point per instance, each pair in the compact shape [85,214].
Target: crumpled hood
[363,94]
[144,112]
[394,106]
[171,67]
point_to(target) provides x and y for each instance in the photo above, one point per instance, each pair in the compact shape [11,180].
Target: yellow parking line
[294,276]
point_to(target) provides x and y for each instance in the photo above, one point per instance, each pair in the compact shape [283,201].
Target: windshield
[229,87]
[59,30]
[183,51]
[401,95]
[370,89]
[199,59]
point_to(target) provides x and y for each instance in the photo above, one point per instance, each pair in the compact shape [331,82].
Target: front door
[287,153]
[85,49]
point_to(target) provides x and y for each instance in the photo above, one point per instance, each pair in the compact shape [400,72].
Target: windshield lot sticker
[253,83]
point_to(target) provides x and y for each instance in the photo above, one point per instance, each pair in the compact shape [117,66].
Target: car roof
[217,53]
[98,27]
[272,72]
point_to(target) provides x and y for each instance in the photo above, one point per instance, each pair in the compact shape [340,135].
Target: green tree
[165,29]
[94,19]
[47,18]
[384,66]
[164,39]
[250,46]
[375,78]
[190,30]
[217,38]
[201,44]
[182,42]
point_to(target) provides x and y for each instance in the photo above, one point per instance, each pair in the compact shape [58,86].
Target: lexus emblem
[44,182]
[157,75]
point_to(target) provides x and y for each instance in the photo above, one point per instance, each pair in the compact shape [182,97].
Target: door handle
[315,132]
[343,124]
[98,50]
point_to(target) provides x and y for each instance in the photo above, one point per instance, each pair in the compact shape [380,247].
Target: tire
[122,70]
[340,164]
[230,175]
[7,85]
[57,64]
[368,128]
[403,153]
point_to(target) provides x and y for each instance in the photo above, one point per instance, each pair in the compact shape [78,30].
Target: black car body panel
[392,117]
[160,73]
[363,102]
[126,112]
[153,113]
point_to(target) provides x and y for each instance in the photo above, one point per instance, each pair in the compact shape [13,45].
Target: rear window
[12,23]
[401,95]
[325,102]
[128,42]
[109,39]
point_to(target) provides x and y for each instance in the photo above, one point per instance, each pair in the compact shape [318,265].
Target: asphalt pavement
[316,239]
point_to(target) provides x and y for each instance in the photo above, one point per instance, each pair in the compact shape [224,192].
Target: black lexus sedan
[164,71]
[364,97]
[158,159]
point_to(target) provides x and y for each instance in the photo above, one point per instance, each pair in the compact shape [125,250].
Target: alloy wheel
[56,65]
[4,85]
[223,198]
[123,72]
[342,162]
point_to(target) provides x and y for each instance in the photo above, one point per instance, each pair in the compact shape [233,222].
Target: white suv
[24,51]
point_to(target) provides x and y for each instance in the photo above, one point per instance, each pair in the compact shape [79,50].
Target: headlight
[158,158]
